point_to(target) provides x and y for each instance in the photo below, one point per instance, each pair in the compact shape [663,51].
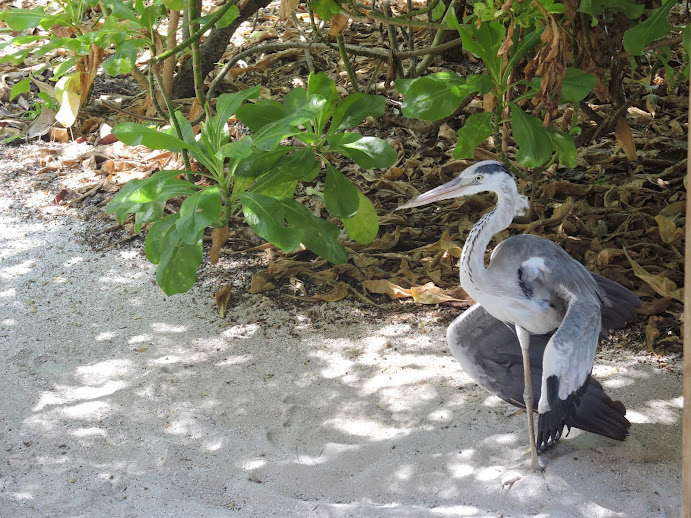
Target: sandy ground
[120,402]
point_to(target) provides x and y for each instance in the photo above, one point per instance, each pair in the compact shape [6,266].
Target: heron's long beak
[453,189]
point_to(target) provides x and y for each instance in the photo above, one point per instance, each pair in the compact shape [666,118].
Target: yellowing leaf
[669,232]
[386,287]
[432,294]
[222,298]
[625,138]
[662,285]
[67,94]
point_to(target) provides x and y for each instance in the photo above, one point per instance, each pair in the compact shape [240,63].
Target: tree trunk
[212,50]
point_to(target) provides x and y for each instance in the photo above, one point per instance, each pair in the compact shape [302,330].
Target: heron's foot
[519,472]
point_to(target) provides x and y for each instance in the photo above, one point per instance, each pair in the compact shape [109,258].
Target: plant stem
[196,58]
[174,121]
[346,64]
[195,37]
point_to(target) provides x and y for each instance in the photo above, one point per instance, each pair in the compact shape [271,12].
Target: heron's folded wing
[566,366]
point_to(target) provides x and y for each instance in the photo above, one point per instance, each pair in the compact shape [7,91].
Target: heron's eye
[478,178]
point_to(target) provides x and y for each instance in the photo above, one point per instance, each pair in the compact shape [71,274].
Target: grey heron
[551,301]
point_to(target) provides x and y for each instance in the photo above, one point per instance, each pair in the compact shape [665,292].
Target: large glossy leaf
[260,162]
[565,147]
[576,85]
[237,149]
[595,8]
[533,141]
[322,85]
[326,9]
[301,165]
[654,28]
[318,235]
[156,237]
[256,116]
[227,104]
[178,263]
[368,152]
[147,197]
[355,108]
[197,212]
[270,135]
[439,95]
[477,128]
[125,57]
[275,183]
[23,19]
[340,195]
[364,225]
[265,215]
[134,134]
[485,42]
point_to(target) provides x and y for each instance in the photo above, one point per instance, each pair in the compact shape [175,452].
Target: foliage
[503,36]
[259,174]
[85,28]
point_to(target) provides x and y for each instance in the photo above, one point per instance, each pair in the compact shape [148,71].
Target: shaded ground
[119,401]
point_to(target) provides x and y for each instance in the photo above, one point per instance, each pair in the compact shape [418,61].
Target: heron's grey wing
[489,352]
[619,304]
[566,366]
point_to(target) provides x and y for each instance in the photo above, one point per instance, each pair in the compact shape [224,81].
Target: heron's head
[488,175]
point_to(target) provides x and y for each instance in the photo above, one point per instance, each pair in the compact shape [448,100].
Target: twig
[130,114]
[86,194]
[346,64]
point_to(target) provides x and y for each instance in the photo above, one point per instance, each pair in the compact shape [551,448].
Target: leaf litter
[621,212]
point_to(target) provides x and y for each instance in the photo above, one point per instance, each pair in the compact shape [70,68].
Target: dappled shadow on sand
[121,402]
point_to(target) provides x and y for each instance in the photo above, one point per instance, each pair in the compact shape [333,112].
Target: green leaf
[654,28]
[533,141]
[20,87]
[595,8]
[485,42]
[301,165]
[368,152]
[238,149]
[326,9]
[564,146]
[178,263]
[153,245]
[227,104]
[276,184]
[64,67]
[527,43]
[260,162]
[265,215]
[125,57]
[576,85]
[340,195]
[17,57]
[22,19]
[257,115]
[364,225]
[318,235]
[147,197]
[174,5]
[134,134]
[439,95]
[228,17]
[355,108]
[270,136]
[477,128]
[197,212]
[320,84]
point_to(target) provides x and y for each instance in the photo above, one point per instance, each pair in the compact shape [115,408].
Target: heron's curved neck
[472,266]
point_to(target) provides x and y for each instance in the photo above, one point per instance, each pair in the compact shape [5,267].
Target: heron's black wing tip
[562,413]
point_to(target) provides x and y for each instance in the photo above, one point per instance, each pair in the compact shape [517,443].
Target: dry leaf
[387,288]
[338,24]
[260,283]
[287,8]
[660,284]
[218,238]
[431,294]
[652,333]
[222,299]
[669,232]
[625,138]
[340,291]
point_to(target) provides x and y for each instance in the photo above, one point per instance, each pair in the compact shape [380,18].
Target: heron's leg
[524,340]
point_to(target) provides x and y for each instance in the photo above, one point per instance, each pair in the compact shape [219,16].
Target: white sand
[120,402]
